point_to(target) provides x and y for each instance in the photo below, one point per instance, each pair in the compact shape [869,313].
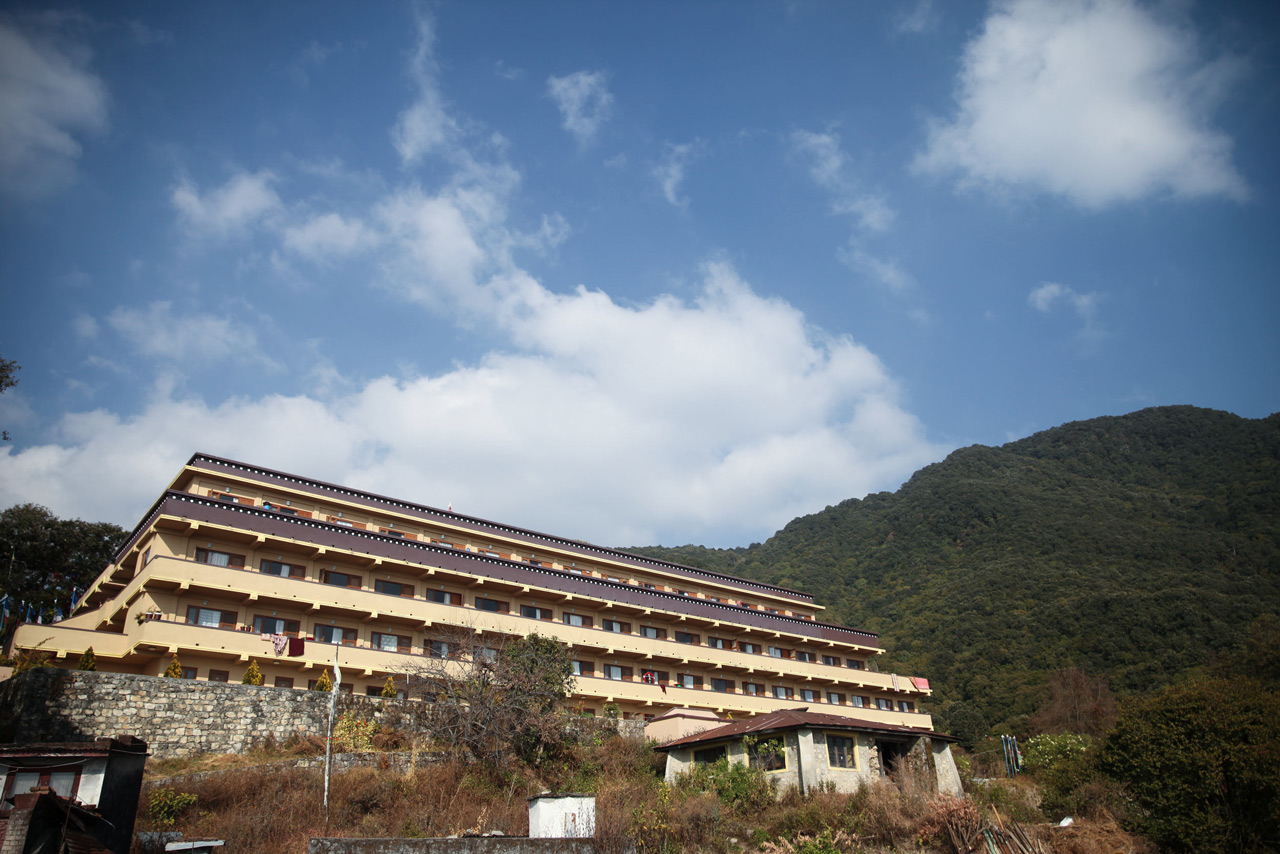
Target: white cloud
[718,419]
[84,326]
[886,272]
[1085,306]
[425,126]
[156,331]
[670,172]
[229,209]
[584,101]
[1099,101]
[829,168]
[919,18]
[329,235]
[48,101]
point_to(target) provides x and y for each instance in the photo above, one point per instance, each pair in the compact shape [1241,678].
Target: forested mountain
[1138,547]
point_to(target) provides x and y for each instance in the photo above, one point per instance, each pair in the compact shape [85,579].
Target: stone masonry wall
[182,716]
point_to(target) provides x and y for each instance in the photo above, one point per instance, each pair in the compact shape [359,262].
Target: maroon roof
[799,718]
[59,749]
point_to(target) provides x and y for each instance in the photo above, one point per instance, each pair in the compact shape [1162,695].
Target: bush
[252,674]
[738,786]
[1202,764]
[389,689]
[174,670]
[324,683]
[354,733]
[88,661]
[167,805]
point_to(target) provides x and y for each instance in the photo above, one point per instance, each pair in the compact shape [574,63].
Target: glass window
[442,597]
[284,570]
[840,751]
[781,693]
[768,754]
[583,668]
[437,649]
[62,782]
[750,648]
[722,686]
[653,632]
[775,652]
[219,675]
[835,699]
[752,688]
[804,656]
[709,755]
[388,642]
[210,617]
[686,637]
[284,682]
[855,664]
[882,703]
[719,643]
[492,605]
[189,673]
[393,588]
[577,620]
[809,696]
[616,626]
[688,680]
[216,558]
[275,626]
[613,671]
[831,660]
[533,612]
[858,702]
[905,706]
[340,579]
[336,635]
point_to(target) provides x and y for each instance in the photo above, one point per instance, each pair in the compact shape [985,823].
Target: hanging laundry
[297,646]
[280,643]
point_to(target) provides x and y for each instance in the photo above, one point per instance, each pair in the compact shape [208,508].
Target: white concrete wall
[562,817]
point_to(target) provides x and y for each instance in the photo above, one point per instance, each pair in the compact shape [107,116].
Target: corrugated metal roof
[798,718]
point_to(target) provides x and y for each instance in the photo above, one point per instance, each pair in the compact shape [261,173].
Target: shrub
[252,674]
[166,805]
[1202,764]
[88,661]
[1065,766]
[324,683]
[174,670]
[738,786]
[389,689]
[30,659]
[354,733]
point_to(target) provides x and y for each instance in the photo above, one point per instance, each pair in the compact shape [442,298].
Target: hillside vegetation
[1139,548]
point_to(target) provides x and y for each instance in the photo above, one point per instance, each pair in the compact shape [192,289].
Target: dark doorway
[893,754]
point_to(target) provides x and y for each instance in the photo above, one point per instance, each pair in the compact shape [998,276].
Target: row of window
[771,754]
[534,612]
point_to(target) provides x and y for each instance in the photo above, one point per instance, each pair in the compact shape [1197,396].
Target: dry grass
[274,810]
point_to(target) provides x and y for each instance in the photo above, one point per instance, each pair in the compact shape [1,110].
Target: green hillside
[1137,547]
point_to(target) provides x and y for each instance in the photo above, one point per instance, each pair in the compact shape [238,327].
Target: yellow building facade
[233,556]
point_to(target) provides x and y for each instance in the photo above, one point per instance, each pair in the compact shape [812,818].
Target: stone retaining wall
[177,717]
[466,845]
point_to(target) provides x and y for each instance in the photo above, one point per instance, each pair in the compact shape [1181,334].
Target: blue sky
[631,272]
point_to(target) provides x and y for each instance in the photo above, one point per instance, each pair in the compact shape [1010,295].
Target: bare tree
[1077,702]
[495,697]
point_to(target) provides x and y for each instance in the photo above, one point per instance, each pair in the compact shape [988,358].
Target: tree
[88,661]
[174,670]
[389,689]
[252,674]
[44,558]
[497,697]
[1202,764]
[8,369]
[324,683]
[1077,703]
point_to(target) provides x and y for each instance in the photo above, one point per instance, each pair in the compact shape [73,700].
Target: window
[840,752]
[486,653]
[835,699]
[219,558]
[615,626]
[755,689]
[188,673]
[219,675]
[492,605]
[655,677]
[804,656]
[882,703]
[284,570]
[749,648]
[583,668]
[653,632]
[768,754]
[719,643]
[855,664]
[647,586]
[688,680]
[905,706]
[775,652]
[579,620]
[686,637]
[393,588]
[340,579]
[437,649]
[390,643]
[275,626]
[336,635]
[781,692]
[614,671]
[722,686]
[210,617]
[146,556]
[442,597]
[390,533]
[284,682]
[533,612]
[709,755]
[830,661]
[858,702]
[808,695]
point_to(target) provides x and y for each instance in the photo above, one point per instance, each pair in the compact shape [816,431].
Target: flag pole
[328,742]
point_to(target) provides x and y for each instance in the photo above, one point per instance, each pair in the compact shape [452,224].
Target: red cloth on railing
[297,646]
